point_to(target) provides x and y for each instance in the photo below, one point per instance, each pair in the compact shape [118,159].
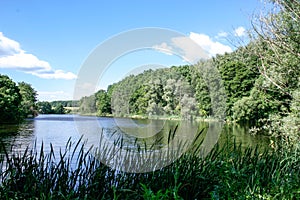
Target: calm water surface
[58,129]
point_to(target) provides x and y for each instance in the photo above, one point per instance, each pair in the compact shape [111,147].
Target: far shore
[135,116]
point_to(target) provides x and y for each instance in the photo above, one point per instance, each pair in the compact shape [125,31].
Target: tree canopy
[10,100]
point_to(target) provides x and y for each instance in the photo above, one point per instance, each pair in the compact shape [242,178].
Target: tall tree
[10,100]
[154,94]
[188,107]
[169,96]
[29,98]
[87,104]
[103,103]
[278,34]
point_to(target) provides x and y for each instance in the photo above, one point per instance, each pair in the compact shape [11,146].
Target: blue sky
[45,43]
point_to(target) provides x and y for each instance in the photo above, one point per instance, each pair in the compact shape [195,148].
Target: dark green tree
[29,98]
[44,107]
[10,100]
[139,101]
[154,96]
[59,109]
[169,96]
[238,79]
[103,103]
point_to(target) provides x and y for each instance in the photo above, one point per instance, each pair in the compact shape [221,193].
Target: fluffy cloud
[212,47]
[240,31]
[184,47]
[8,46]
[13,57]
[190,51]
[193,48]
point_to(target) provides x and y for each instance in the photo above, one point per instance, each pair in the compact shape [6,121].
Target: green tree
[87,104]
[29,98]
[169,96]
[188,107]
[44,107]
[238,79]
[154,96]
[277,35]
[59,109]
[10,100]
[202,94]
[139,101]
[103,103]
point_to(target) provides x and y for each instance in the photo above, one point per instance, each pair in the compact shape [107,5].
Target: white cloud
[13,57]
[222,34]
[183,47]
[189,50]
[212,47]
[194,47]
[8,46]
[240,31]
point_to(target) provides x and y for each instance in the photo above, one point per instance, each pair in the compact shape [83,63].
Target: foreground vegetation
[227,172]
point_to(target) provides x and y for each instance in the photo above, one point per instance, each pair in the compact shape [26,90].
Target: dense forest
[261,82]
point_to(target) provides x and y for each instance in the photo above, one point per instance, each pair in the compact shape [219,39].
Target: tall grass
[227,172]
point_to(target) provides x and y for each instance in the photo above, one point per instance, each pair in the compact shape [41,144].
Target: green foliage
[252,108]
[10,100]
[272,102]
[139,101]
[59,109]
[238,77]
[68,103]
[16,101]
[103,103]
[55,107]
[88,104]
[29,98]
[153,92]
[76,174]
[44,107]
[169,97]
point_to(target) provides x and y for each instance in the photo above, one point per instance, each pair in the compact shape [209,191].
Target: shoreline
[156,117]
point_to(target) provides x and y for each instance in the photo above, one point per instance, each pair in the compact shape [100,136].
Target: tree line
[56,107]
[184,91]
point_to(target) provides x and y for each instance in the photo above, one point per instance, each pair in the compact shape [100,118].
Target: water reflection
[143,134]
[17,137]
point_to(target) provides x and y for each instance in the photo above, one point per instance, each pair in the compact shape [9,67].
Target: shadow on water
[17,136]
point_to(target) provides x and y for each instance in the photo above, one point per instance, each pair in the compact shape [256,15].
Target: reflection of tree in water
[17,137]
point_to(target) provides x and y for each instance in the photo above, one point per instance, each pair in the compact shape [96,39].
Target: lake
[122,133]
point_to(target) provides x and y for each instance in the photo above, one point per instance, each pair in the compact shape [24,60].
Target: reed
[227,172]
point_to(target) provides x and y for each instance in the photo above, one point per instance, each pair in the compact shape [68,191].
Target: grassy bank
[227,172]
